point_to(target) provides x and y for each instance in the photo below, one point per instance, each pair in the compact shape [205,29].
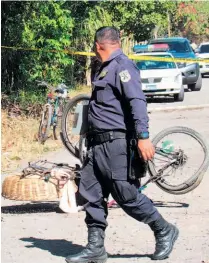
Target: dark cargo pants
[105,172]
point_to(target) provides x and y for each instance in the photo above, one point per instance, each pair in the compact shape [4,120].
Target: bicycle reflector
[167,146]
[50,95]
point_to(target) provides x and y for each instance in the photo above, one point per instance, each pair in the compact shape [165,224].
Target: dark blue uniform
[118,82]
[117,106]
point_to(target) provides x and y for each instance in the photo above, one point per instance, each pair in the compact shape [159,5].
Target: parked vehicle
[161,78]
[180,48]
[203,52]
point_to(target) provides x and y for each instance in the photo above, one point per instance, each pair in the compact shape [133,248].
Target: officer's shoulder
[124,63]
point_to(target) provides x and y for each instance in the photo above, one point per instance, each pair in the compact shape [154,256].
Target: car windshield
[149,64]
[177,46]
[204,49]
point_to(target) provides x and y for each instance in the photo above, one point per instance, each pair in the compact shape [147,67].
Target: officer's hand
[146,149]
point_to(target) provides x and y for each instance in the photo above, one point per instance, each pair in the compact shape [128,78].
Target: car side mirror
[197,51]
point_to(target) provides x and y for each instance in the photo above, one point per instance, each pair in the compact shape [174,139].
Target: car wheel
[180,95]
[197,86]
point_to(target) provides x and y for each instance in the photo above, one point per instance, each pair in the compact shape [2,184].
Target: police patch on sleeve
[125,76]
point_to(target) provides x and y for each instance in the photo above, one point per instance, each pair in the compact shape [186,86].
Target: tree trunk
[155,32]
[88,71]
[169,24]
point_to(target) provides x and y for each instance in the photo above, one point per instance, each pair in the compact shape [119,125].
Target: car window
[146,65]
[178,46]
[204,49]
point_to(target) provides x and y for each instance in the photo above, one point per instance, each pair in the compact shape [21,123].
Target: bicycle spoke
[178,146]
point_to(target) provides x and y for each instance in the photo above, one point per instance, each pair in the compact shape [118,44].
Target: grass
[82,89]
[19,142]
[19,138]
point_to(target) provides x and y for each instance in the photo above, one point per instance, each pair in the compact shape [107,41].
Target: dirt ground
[36,233]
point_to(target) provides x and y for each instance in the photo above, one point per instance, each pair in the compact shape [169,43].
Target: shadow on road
[170,204]
[53,207]
[30,208]
[130,256]
[163,99]
[63,248]
[161,204]
[160,100]
[57,247]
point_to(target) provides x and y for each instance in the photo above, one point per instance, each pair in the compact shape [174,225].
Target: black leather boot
[94,251]
[165,235]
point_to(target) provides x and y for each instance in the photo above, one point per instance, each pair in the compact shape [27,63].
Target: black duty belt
[105,137]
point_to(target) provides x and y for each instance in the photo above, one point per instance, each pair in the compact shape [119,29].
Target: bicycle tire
[58,123]
[55,133]
[186,190]
[64,136]
[43,136]
[195,179]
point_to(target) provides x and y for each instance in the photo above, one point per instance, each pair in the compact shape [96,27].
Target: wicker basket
[30,188]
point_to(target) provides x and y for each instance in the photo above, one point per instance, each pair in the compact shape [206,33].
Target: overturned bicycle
[175,167]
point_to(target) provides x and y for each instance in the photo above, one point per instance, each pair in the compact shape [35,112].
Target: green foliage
[49,27]
[58,25]
[42,25]
[140,17]
[192,19]
[12,28]
[30,97]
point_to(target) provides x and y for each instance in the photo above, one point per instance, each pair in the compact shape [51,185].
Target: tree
[192,20]
[58,25]
[135,19]
[88,17]
[140,17]
[47,26]
[11,29]
[42,25]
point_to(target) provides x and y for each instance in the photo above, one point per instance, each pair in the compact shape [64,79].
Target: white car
[203,52]
[160,78]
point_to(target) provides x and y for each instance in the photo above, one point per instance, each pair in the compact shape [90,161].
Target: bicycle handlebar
[44,83]
[60,87]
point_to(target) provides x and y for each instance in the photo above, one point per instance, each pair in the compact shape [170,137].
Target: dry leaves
[19,141]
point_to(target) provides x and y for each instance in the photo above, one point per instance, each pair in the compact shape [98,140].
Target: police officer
[117,114]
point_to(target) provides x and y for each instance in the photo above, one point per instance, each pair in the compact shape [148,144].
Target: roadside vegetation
[20,123]
[68,25]
[19,141]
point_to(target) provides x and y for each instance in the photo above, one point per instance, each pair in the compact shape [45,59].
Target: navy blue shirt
[117,101]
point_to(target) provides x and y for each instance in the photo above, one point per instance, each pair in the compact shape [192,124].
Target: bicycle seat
[61,88]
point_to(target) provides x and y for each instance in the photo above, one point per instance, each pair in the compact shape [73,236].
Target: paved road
[191,98]
[38,234]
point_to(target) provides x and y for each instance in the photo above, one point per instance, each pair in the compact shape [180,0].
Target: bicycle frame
[54,102]
[174,158]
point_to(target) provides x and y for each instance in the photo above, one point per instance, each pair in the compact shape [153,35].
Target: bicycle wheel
[45,124]
[57,124]
[69,121]
[182,158]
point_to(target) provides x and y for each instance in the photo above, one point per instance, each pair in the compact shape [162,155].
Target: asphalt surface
[36,233]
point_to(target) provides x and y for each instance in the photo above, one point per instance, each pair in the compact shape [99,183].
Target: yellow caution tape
[134,56]
[156,58]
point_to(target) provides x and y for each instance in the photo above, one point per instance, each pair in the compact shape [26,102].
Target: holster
[137,166]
